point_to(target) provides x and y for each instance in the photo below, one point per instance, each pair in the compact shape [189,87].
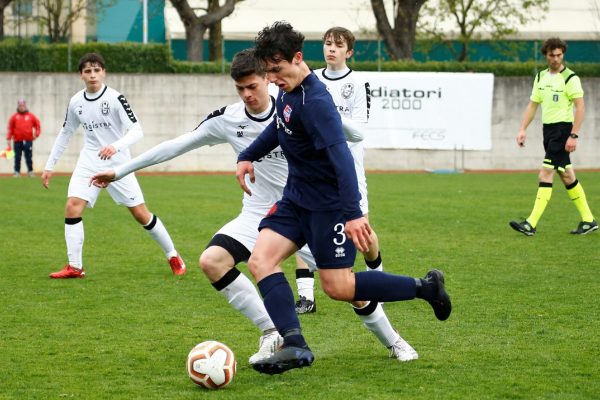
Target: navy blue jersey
[309,130]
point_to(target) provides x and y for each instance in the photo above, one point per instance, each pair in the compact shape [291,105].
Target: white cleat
[402,351]
[268,344]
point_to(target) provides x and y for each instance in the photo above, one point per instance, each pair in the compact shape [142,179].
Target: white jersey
[234,125]
[107,119]
[352,98]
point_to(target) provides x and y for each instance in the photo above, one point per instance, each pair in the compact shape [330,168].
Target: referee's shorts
[555,138]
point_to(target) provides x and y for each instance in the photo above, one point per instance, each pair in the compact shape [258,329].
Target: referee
[557,89]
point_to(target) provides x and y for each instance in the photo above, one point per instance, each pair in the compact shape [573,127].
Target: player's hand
[107,152]
[243,168]
[521,138]
[359,231]
[102,179]
[571,145]
[46,175]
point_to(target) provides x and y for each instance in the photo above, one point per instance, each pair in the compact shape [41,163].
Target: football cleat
[268,344]
[402,351]
[585,227]
[524,227]
[440,301]
[68,272]
[305,306]
[177,265]
[284,359]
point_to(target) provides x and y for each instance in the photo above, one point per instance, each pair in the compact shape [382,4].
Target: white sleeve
[59,147]
[172,148]
[133,135]
[62,139]
[353,130]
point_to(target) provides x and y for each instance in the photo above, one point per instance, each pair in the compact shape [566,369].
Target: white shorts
[125,191]
[244,229]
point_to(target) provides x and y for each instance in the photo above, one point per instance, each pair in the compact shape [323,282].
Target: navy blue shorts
[323,231]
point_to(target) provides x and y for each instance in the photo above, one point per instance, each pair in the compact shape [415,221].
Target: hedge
[21,55]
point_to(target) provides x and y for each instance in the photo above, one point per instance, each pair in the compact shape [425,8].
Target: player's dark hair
[92,59]
[278,42]
[554,43]
[339,34]
[245,64]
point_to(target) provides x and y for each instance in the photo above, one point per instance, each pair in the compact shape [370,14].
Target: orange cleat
[177,265]
[68,272]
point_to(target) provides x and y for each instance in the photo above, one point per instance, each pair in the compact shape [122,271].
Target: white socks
[243,296]
[74,237]
[159,233]
[378,323]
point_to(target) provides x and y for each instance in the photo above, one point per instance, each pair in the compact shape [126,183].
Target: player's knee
[338,291]
[210,263]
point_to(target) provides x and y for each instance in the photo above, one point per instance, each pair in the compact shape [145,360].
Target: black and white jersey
[106,119]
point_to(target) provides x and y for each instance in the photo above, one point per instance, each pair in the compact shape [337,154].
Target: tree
[399,39]
[58,16]
[196,26]
[215,35]
[474,18]
[3,5]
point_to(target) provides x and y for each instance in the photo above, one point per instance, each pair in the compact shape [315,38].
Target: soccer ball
[211,365]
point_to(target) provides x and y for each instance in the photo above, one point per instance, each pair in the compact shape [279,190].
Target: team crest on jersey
[347,90]
[105,108]
[287,113]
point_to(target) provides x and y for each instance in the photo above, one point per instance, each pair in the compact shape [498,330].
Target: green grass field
[524,326]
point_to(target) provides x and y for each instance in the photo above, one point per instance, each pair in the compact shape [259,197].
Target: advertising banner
[429,110]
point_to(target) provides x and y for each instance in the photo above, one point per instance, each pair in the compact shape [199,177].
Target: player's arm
[353,130]
[579,104]
[528,116]
[261,146]
[60,144]
[207,133]
[357,227]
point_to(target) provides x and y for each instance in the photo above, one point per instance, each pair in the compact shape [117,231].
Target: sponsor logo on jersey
[90,126]
[272,155]
[79,110]
[287,113]
[347,90]
[340,252]
[105,108]
[127,108]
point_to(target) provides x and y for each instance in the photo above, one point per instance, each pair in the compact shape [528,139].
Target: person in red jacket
[23,129]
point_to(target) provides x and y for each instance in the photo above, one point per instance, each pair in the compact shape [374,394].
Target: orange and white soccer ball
[211,365]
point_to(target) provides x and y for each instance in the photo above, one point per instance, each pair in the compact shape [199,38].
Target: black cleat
[288,357]
[585,227]
[440,302]
[524,227]
[305,306]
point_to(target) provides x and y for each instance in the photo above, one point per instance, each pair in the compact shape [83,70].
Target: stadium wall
[169,105]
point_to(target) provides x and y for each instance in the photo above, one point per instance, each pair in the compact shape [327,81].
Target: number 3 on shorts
[339,230]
